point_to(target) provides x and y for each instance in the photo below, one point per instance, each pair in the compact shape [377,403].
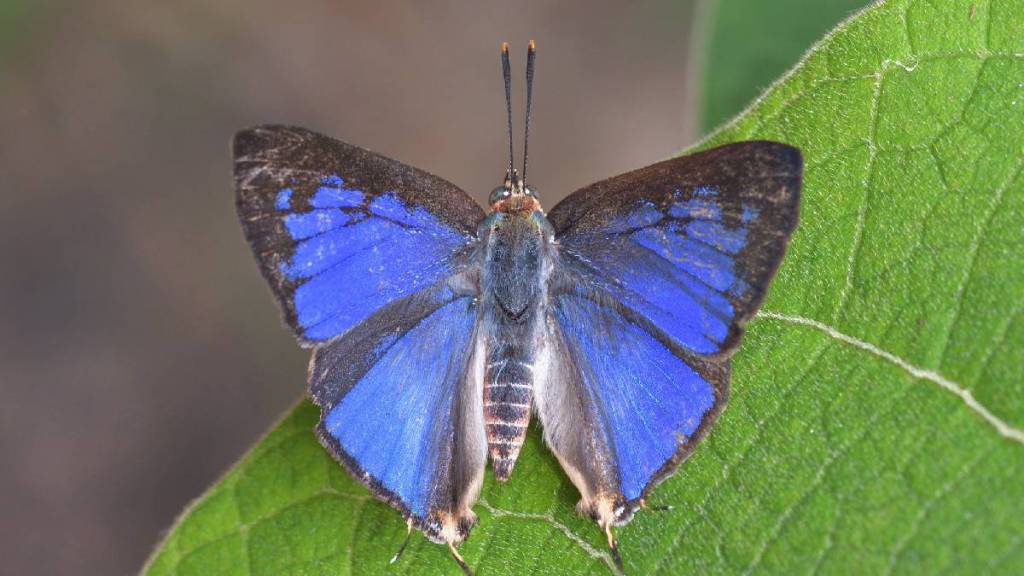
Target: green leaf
[877,415]
[751,43]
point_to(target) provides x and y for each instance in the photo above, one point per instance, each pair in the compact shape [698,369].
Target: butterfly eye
[499,193]
[531,191]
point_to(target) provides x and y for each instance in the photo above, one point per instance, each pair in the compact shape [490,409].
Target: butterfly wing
[400,398]
[371,261]
[622,405]
[339,231]
[658,271]
[690,243]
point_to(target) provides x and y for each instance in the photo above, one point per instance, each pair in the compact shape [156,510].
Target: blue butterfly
[438,329]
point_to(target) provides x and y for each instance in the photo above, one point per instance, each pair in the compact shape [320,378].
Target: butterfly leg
[459,560]
[607,512]
[408,536]
[613,545]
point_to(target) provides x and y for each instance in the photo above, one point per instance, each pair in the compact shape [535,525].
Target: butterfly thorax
[516,204]
[516,261]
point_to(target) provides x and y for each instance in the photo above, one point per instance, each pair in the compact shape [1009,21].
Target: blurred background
[140,352]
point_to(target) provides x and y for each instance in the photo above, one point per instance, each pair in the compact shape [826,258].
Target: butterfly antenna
[408,536]
[459,560]
[531,55]
[506,72]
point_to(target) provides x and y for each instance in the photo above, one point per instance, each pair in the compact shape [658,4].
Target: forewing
[340,232]
[622,405]
[401,409]
[690,244]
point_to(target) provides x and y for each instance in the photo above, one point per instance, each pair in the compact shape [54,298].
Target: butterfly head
[514,195]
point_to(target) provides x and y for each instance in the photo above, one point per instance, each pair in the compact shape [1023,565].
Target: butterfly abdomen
[508,398]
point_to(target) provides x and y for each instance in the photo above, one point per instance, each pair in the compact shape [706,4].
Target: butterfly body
[439,330]
[516,245]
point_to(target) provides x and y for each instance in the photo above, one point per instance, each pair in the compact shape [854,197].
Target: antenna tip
[533,46]
[504,47]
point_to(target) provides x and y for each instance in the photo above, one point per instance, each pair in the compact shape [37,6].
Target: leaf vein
[816,483]
[972,259]
[1004,429]
[1000,338]
[245,526]
[730,467]
[858,233]
[925,510]
[550,519]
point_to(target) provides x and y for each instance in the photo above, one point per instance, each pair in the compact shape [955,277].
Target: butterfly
[438,330]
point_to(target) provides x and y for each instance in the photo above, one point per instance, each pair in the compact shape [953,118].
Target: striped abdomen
[508,396]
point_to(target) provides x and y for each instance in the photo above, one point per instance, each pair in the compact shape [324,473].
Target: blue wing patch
[341,232]
[396,421]
[353,255]
[689,244]
[402,412]
[650,401]
[675,266]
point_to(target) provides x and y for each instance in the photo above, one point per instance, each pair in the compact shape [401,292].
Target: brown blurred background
[140,353]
